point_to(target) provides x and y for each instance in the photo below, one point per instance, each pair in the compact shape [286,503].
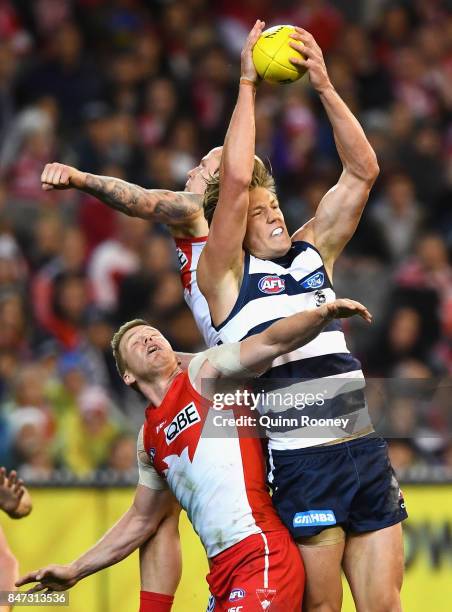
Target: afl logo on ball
[271,284]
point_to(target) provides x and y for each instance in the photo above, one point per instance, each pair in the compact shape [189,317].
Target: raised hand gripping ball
[271,56]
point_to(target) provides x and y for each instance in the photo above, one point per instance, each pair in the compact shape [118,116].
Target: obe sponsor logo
[235,609]
[314,281]
[237,594]
[184,419]
[314,517]
[271,284]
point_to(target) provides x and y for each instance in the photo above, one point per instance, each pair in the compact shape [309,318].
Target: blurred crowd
[141,89]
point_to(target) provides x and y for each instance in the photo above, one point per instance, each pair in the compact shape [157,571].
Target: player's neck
[156,389]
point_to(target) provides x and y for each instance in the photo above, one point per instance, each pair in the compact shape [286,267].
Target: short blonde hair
[121,364]
[261,178]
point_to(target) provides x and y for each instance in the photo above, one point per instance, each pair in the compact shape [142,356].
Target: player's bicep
[224,248]
[230,360]
[147,474]
[338,215]
[152,502]
[174,208]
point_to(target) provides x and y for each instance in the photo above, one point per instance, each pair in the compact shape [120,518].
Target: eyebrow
[131,336]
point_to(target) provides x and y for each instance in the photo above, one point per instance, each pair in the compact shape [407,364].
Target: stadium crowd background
[141,90]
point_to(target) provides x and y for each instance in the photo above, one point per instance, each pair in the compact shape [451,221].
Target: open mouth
[152,349]
[277,231]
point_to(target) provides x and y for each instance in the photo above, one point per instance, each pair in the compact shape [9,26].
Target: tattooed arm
[181,210]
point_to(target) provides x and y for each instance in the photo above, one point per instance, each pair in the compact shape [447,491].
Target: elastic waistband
[328,448]
[254,539]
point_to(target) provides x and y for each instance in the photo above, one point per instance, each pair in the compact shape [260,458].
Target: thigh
[272,576]
[373,565]
[322,558]
[379,502]
[313,488]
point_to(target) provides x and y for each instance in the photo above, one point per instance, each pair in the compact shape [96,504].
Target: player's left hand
[12,490]
[305,43]
[50,578]
[248,71]
[343,308]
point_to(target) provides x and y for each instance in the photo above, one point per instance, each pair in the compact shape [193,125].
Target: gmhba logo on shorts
[314,517]
[184,419]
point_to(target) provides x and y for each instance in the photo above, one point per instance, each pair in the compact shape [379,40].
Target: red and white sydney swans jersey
[220,481]
[188,252]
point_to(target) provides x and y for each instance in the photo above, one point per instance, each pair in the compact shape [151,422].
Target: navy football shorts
[351,484]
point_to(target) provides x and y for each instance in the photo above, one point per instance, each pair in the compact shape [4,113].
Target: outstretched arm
[257,352]
[177,209]
[215,273]
[254,355]
[142,520]
[340,210]
[15,500]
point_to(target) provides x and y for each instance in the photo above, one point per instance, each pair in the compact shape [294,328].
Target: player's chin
[274,251]
[280,244]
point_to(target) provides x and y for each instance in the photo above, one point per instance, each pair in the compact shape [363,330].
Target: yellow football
[271,56]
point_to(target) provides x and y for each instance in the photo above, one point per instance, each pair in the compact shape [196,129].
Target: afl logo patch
[271,284]
[314,282]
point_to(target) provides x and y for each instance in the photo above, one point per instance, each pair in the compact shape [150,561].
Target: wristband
[245,81]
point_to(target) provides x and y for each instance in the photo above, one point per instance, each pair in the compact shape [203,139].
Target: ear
[128,378]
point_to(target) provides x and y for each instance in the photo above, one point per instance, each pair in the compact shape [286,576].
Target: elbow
[372,170]
[367,172]
[238,177]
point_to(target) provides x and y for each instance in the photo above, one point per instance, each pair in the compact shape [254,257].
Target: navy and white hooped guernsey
[272,290]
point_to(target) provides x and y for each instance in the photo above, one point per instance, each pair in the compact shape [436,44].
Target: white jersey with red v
[219,481]
[188,253]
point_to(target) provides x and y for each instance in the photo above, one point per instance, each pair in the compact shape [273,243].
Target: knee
[320,605]
[388,602]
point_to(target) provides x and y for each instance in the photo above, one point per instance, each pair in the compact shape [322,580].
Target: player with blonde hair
[333,487]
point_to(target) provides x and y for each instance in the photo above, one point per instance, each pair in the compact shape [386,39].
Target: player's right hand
[60,176]
[11,491]
[52,577]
